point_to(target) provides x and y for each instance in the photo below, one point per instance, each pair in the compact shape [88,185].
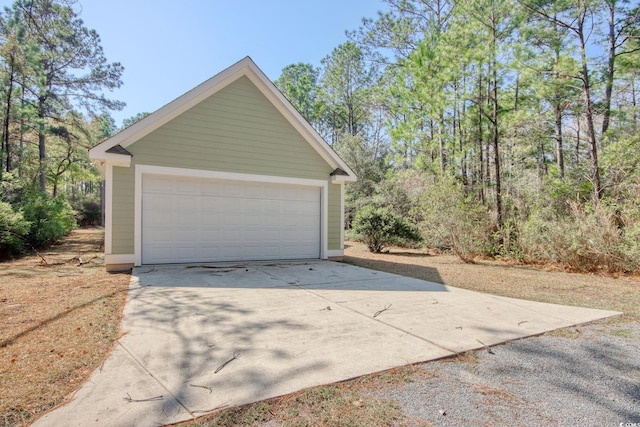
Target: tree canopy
[529,107]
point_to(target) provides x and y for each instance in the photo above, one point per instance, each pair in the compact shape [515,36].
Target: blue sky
[169,47]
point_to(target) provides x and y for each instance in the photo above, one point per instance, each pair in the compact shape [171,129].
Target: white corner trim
[324,226]
[119,259]
[342,217]
[108,208]
[137,216]
[141,170]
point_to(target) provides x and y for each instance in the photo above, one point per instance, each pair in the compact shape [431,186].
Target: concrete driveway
[290,325]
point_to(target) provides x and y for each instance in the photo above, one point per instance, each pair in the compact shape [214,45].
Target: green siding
[235,130]
[123,210]
[333,238]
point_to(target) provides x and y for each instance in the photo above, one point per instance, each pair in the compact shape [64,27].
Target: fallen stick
[235,356]
[41,257]
[129,399]
[379,312]
[81,262]
[203,386]
[486,347]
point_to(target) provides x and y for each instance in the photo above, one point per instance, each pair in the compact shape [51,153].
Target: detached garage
[229,171]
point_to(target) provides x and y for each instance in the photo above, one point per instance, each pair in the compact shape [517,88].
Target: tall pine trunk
[591,130]
[42,149]
[494,116]
[557,106]
[481,173]
[611,58]
[6,140]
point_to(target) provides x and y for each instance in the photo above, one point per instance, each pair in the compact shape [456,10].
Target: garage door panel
[270,207]
[162,252]
[255,191]
[199,220]
[161,235]
[187,186]
[160,184]
[209,235]
[230,189]
[210,188]
[209,203]
[183,203]
[210,252]
[209,220]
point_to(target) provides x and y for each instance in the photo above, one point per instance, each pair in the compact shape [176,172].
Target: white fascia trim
[232,176]
[339,179]
[108,208]
[117,159]
[119,259]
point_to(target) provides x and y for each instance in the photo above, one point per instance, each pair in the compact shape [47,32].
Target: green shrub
[51,218]
[601,238]
[378,227]
[11,188]
[88,212]
[13,231]
[452,220]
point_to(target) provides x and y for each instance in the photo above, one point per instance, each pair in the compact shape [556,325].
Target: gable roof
[114,148]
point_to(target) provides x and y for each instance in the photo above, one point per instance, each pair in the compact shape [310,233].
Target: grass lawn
[60,314]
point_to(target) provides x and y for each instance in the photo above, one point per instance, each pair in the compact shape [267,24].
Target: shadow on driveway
[202,337]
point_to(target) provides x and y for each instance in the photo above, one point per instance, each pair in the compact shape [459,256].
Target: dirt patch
[500,278]
[60,314]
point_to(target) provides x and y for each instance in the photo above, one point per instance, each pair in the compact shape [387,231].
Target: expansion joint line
[176,398]
[377,319]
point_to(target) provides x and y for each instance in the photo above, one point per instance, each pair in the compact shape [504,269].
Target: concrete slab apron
[291,326]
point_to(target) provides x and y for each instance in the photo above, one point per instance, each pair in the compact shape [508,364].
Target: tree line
[498,128]
[494,128]
[53,107]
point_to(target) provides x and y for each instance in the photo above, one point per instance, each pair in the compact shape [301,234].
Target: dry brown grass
[347,403]
[58,320]
[500,278]
[327,406]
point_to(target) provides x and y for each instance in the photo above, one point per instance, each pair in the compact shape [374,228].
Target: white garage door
[199,220]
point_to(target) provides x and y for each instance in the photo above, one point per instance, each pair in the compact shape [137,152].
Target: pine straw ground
[59,317]
[59,320]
